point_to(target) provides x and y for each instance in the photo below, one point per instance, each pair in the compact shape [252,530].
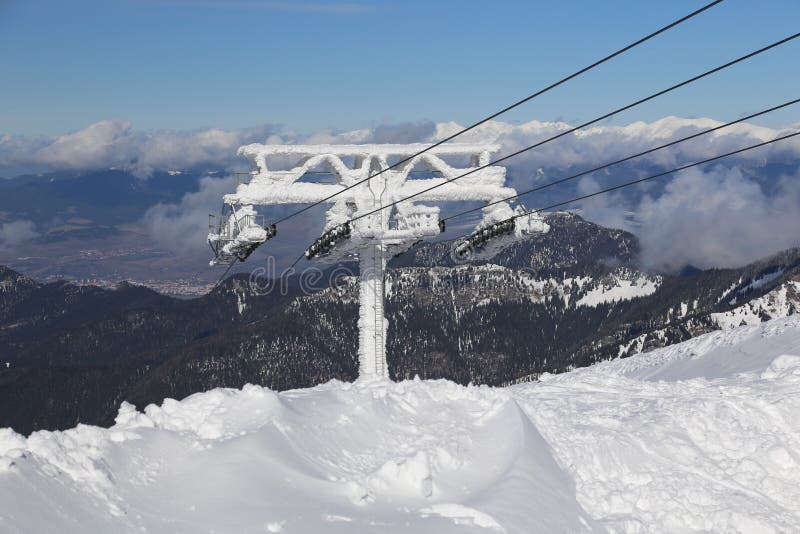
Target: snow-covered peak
[666,128]
[446,129]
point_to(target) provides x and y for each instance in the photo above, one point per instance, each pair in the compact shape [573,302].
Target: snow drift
[701,436]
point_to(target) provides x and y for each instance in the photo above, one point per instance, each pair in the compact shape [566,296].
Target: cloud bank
[16,233]
[181,227]
[737,211]
[718,218]
[115,144]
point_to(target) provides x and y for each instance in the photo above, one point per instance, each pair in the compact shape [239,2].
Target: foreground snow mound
[698,437]
[703,436]
[369,457]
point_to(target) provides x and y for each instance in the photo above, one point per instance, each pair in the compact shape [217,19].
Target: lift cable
[221,278]
[652,177]
[628,158]
[512,106]
[300,257]
[585,124]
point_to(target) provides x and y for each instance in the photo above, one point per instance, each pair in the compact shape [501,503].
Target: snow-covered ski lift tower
[379,236]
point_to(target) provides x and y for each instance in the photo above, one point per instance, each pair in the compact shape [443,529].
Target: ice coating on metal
[238,235]
[364,181]
[489,239]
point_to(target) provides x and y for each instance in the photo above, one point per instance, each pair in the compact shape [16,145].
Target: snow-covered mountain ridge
[571,298]
[780,302]
[700,436]
[487,282]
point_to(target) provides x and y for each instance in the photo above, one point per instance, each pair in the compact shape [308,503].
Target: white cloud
[114,143]
[718,218]
[16,233]
[182,227]
[607,210]
[723,217]
[105,141]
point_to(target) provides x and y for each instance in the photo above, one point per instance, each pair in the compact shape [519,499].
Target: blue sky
[189,64]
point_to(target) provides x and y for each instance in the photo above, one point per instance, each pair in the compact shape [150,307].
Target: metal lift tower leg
[371,322]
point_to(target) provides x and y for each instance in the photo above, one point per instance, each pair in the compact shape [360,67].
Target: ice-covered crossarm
[279,186]
[363,181]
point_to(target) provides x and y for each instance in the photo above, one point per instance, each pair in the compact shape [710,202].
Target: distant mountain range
[572,297]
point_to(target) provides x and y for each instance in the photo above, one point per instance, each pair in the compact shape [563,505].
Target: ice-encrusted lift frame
[364,182]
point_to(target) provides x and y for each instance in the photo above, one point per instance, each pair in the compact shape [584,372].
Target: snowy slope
[700,436]
[780,302]
[620,290]
[703,436]
[379,457]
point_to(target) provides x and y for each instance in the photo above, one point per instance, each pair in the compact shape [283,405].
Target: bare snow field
[703,436]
